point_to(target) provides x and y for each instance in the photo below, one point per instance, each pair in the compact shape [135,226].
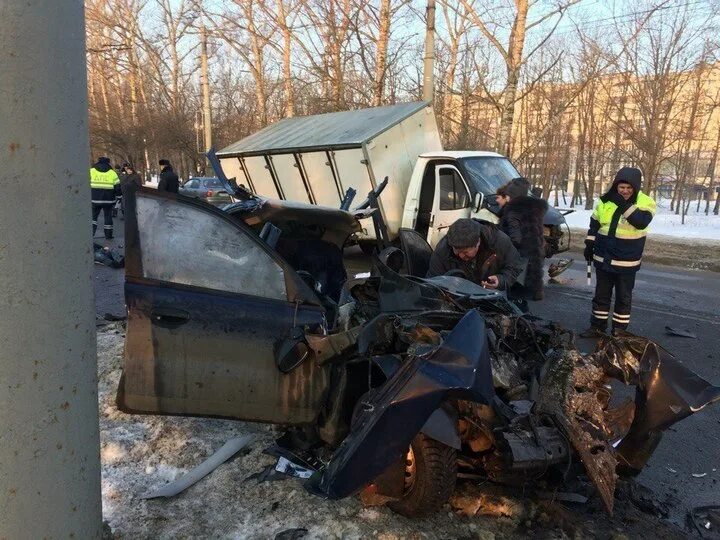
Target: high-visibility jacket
[104,186]
[103,180]
[619,234]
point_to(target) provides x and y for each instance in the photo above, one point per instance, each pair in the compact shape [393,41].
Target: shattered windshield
[489,173]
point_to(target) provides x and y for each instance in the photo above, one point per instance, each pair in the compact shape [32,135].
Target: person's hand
[620,201]
[589,250]
[492,282]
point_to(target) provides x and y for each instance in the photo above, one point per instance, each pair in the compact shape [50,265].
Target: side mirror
[291,351]
[478,202]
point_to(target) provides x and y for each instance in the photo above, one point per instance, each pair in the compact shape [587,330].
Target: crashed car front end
[511,393]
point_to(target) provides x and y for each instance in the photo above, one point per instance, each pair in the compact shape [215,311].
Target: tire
[433,482]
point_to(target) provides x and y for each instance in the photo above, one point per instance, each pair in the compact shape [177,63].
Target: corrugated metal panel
[344,129]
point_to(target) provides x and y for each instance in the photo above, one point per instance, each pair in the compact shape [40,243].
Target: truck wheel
[430,475]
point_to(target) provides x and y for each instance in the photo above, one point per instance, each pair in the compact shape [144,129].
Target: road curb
[691,253]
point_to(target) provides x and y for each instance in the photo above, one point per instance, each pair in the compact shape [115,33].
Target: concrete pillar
[429,58]
[49,444]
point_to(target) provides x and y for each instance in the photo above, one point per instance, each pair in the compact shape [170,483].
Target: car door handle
[169,316]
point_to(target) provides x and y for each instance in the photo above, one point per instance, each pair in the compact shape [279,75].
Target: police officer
[615,243]
[104,185]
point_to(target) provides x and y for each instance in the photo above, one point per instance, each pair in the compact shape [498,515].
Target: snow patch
[697,225]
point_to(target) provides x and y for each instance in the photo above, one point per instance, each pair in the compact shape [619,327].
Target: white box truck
[315,159]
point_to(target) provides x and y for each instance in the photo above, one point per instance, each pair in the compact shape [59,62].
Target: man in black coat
[522,220]
[480,251]
[168,179]
[129,178]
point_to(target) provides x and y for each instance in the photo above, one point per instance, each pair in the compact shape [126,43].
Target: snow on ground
[141,453]
[697,224]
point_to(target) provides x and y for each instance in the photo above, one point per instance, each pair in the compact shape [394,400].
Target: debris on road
[285,466]
[699,475]
[679,332]
[557,268]
[108,257]
[228,450]
[706,520]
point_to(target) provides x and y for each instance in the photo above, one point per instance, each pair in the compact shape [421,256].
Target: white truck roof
[329,131]
[457,154]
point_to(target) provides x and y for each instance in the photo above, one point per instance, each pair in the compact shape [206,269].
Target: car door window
[192,184]
[188,245]
[453,193]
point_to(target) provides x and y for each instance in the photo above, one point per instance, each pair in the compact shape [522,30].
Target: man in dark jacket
[615,243]
[480,251]
[168,179]
[522,220]
[104,187]
[129,178]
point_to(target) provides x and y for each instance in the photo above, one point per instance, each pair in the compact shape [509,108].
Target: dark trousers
[623,285]
[107,208]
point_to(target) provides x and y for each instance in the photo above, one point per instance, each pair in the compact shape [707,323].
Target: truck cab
[448,185]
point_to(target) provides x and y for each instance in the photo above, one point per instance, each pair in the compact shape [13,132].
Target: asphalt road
[663,296]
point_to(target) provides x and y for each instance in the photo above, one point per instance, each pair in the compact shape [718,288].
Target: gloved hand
[589,250]
[620,201]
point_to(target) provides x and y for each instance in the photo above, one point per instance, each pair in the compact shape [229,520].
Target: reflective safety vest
[103,180]
[619,237]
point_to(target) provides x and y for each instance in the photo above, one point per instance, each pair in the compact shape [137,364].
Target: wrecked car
[395,382]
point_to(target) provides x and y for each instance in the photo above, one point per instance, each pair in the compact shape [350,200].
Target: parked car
[395,382]
[209,189]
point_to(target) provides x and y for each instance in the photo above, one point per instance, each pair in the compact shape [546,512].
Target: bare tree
[654,72]
[512,51]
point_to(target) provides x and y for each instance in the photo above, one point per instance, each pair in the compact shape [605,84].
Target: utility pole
[49,442]
[429,64]
[207,114]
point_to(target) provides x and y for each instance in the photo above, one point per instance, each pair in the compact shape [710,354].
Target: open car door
[208,304]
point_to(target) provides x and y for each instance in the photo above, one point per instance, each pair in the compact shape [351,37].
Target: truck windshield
[489,173]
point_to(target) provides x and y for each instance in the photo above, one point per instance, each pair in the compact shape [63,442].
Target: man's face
[468,253]
[625,190]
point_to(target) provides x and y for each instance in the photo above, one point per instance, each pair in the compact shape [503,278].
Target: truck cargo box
[317,158]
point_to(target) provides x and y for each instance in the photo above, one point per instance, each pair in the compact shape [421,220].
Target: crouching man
[615,243]
[480,251]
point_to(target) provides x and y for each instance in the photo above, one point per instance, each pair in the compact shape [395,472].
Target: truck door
[452,202]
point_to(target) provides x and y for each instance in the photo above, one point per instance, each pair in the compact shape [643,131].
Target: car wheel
[430,476]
